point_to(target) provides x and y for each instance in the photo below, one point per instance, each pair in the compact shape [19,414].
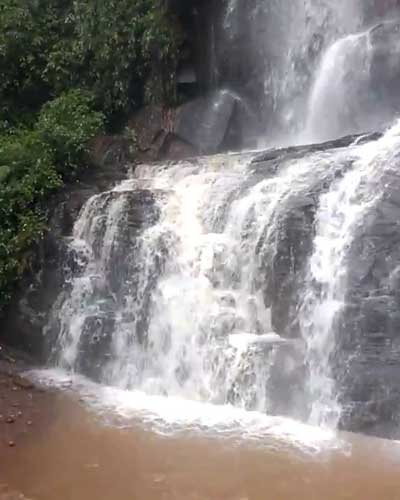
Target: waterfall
[341,211]
[313,26]
[316,70]
[226,280]
[283,43]
[353,85]
[168,287]
[340,83]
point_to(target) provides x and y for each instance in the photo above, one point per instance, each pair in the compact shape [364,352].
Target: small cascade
[273,47]
[336,102]
[313,25]
[341,211]
[355,85]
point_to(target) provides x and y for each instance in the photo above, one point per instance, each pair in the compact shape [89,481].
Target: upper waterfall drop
[355,85]
[272,50]
[310,71]
[313,26]
[341,85]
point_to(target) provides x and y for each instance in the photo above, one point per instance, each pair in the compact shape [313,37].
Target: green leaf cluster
[110,47]
[68,67]
[33,164]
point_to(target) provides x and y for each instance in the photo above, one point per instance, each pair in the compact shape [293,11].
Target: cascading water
[284,41]
[207,319]
[318,69]
[341,82]
[341,211]
[179,307]
[224,279]
[313,26]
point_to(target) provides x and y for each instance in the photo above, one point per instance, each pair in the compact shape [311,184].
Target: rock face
[102,278]
[385,63]
[380,9]
[206,121]
[369,346]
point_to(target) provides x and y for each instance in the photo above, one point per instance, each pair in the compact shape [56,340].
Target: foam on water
[169,415]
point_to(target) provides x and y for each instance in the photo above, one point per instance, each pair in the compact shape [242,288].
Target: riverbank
[24,407]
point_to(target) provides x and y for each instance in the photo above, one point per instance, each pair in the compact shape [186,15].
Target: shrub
[109,47]
[66,124]
[33,164]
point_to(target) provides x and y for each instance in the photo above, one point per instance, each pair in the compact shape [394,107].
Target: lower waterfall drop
[169,290]
[341,211]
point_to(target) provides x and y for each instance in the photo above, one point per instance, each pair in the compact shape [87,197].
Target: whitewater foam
[172,415]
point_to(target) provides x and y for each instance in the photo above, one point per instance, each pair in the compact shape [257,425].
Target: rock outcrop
[204,125]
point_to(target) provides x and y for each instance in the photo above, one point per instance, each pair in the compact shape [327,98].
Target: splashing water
[341,211]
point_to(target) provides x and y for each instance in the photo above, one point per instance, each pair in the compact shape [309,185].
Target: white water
[353,87]
[342,76]
[341,212]
[173,415]
[181,303]
[208,333]
[287,39]
[319,63]
[310,28]
[198,275]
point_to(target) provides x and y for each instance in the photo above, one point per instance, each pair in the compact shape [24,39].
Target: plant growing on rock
[33,164]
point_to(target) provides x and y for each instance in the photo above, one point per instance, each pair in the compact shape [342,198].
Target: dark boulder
[205,122]
[204,125]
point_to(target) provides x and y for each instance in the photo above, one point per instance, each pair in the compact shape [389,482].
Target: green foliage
[108,47]
[66,124]
[29,34]
[33,164]
[116,52]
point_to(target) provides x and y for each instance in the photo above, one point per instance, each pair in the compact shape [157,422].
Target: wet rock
[175,148]
[367,361]
[385,63]
[113,151]
[286,381]
[94,345]
[23,383]
[154,129]
[206,121]
[148,124]
[375,9]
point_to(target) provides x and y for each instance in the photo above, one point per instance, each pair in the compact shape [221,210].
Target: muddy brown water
[76,456]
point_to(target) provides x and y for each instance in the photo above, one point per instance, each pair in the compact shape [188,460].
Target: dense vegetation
[69,68]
